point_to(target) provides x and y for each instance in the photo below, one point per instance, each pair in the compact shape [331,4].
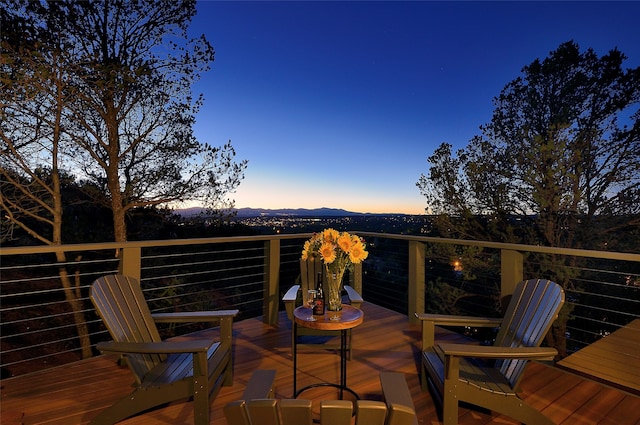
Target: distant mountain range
[285,212]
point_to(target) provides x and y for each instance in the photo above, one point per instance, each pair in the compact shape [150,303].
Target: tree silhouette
[102,90]
[128,110]
[557,165]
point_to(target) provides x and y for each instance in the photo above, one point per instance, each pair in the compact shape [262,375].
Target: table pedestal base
[342,386]
[328,384]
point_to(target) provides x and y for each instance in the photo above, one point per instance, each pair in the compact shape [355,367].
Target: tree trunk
[557,337]
[72,295]
[74,298]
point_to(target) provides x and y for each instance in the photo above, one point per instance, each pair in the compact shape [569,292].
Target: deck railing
[44,303]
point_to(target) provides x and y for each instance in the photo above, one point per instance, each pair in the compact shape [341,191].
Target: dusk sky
[339,104]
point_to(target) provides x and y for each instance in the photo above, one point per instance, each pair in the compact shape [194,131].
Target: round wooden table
[350,317]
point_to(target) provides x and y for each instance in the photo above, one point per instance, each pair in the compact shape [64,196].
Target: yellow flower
[330,235]
[358,253]
[345,242]
[327,252]
[338,250]
[305,250]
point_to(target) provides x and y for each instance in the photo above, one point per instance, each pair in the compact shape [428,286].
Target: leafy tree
[136,85]
[557,165]
[32,141]
[129,108]
[102,89]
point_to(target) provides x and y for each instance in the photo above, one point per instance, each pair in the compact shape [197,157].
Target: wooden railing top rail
[624,256]
[21,250]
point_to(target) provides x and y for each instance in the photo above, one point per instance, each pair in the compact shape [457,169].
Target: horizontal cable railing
[40,322]
[205,277]
[385,273]
[37,323]
[603,295]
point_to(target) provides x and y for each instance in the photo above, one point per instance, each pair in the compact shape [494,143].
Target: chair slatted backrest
[266,410]
[335,412]
[534,306]
[371,412]
[296,412]
[309,270]
[120,303]
[332,412]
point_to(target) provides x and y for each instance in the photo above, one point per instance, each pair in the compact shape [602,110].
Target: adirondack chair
[165,371]
[309,269]
[332,412]
[462,372]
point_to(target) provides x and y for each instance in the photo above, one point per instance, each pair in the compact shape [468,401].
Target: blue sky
[339,104]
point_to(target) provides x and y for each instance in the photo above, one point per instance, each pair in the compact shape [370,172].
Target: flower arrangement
[338,251]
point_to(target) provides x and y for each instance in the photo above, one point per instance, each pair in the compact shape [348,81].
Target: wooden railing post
[416,280]
[511,270]
[271,297]
[130,261]
[356,278]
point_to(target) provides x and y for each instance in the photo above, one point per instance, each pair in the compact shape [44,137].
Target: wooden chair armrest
[453,353]
[289,300]
[225,317]
[452,320]
[291,295]
[396,394]
[492,352]
[429,321]
[168,347]
[260,385]
[194,316]
[354,296]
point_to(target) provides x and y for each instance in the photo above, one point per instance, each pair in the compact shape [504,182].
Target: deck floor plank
[75,393]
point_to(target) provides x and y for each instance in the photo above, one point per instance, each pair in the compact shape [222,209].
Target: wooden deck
[75,393]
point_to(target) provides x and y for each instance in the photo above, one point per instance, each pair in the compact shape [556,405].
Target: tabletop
[350,317]
[612,359]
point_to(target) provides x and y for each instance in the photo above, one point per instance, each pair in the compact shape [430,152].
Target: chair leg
[515,408]
[529,415]
[133,404]
[201,401]
[227,379]
[449,408]
[423,377]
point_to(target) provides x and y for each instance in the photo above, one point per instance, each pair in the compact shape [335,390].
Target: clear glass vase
[334,294]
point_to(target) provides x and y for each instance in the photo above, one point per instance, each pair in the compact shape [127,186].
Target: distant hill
[295,212]
[285,212]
